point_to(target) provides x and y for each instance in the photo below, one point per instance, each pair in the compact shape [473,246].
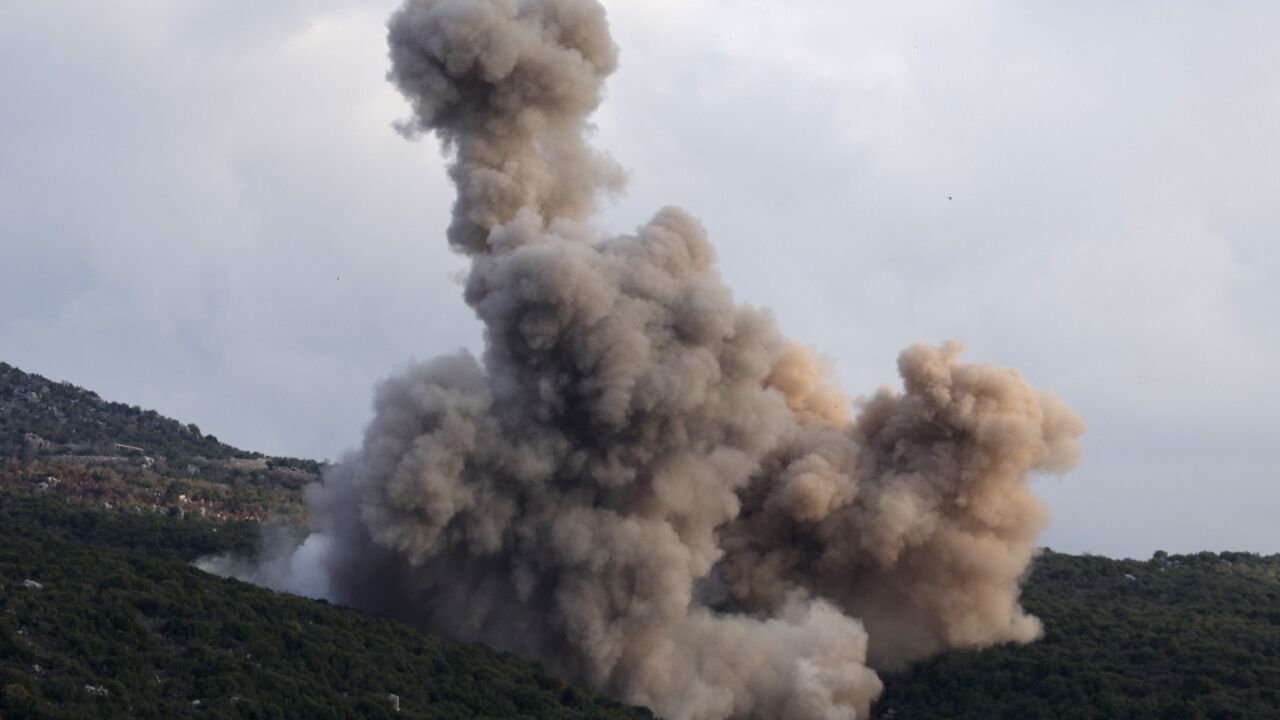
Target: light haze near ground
[203,209]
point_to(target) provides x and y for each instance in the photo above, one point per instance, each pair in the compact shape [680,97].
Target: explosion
[643,484]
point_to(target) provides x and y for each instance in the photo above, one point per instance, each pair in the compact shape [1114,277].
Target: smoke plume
[643,484]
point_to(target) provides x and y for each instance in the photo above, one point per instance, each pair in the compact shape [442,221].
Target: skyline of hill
[65,416]
[61,439]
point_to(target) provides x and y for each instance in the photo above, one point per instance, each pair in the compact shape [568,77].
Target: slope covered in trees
[121,626]
[62,413]
[100,617]
[1192,636]
[119,610]
[38,413]
[63,440]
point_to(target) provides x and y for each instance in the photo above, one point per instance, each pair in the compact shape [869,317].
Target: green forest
[34,409]
[120,610]
[1186,636]
[115,624]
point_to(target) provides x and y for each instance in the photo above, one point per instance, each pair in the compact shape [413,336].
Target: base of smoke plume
[285,562]
[824,649]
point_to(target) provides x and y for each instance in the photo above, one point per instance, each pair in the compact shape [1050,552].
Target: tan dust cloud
[643,484]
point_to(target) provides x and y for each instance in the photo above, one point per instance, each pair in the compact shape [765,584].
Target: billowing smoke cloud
[643,484]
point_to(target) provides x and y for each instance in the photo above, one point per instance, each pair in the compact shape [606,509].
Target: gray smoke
[644,484]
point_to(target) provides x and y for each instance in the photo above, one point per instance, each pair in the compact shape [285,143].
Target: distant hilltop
[38,413]
[41,415]
[61,439]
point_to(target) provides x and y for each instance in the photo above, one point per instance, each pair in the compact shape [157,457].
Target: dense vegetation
[247,496]
[165,538]
[113,632]
[62,414]
[1174,637]
[63,440]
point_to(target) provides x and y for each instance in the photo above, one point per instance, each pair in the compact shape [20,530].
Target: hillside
[1194,636]
[36,413]
[1172,637]
[115,629]
[103,506]
[63,440]
[123,627]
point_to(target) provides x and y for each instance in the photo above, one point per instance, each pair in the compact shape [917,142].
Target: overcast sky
[204,210]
